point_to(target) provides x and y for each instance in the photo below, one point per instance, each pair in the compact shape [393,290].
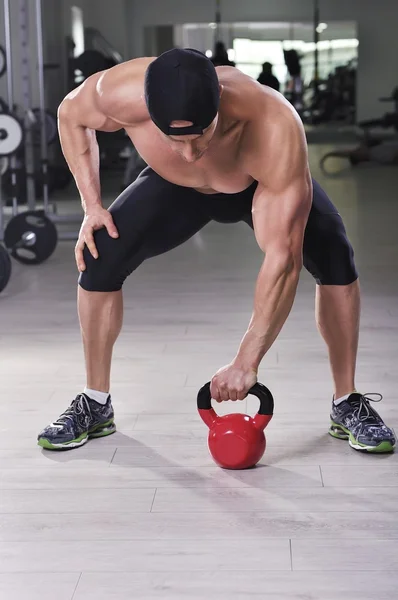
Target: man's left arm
[280,212]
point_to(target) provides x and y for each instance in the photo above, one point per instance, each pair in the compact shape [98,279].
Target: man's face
[191,147]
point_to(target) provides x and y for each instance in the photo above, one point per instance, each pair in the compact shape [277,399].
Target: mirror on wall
[282,55]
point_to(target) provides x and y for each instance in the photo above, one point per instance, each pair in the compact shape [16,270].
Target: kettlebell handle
[258,389]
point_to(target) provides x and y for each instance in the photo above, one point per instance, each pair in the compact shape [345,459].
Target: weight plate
[51,126]
[3,61]
[31,237]
[5,268]
[11,135]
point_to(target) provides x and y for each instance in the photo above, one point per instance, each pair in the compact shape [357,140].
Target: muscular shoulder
[274,146]
[271,118]
[110,99]
[120,91]
[256,106]
[240,93]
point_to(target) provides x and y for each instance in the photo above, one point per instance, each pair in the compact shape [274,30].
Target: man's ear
[221,89]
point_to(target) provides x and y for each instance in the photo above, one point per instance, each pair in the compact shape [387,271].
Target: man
[267,77]
[219,147]
[220,56]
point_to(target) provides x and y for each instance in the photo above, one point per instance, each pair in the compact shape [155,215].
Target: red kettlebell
[237,441]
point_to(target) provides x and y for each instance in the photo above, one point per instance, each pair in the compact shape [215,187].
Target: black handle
[258,389]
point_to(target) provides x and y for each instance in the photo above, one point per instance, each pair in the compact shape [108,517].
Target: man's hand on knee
[93,221]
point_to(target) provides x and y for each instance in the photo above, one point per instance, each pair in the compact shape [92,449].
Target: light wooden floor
[145,513]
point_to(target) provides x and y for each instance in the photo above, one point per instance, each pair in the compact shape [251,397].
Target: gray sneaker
[84,419]
[358,422]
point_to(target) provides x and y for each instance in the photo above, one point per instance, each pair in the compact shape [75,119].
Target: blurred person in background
[267,77]
[220,56]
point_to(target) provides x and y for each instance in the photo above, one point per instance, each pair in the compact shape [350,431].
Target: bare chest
[219,170]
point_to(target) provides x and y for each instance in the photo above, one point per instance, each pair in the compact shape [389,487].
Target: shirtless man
[221,147]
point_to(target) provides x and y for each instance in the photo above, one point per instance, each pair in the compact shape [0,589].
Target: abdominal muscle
[217,171]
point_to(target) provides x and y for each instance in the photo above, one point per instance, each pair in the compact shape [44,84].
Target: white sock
[100,397]
[339,400]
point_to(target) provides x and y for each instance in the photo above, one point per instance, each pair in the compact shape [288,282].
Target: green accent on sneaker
[103,431]
[99,430]
[342,433]
[339,432]
[44,443]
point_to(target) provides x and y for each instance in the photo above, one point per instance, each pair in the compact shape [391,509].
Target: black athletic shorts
[154,216]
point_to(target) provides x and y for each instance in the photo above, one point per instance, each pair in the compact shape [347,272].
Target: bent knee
[98,276]
[114,264]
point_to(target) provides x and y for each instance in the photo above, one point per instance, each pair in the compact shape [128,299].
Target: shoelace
[78,406]
[364,409]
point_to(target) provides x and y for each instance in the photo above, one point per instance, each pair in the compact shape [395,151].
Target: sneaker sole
[341,433]
[99,431]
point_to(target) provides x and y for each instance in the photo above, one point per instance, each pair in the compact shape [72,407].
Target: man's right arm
[78,119]
[106,101]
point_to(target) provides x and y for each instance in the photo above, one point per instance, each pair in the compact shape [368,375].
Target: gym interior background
[145,513]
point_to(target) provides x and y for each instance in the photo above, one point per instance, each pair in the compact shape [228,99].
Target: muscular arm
[278,161]
[106,101]
[78,118]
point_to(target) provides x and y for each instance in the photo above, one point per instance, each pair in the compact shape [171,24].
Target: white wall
[377,31]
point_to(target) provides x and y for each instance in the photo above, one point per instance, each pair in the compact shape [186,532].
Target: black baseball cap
[182,85]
